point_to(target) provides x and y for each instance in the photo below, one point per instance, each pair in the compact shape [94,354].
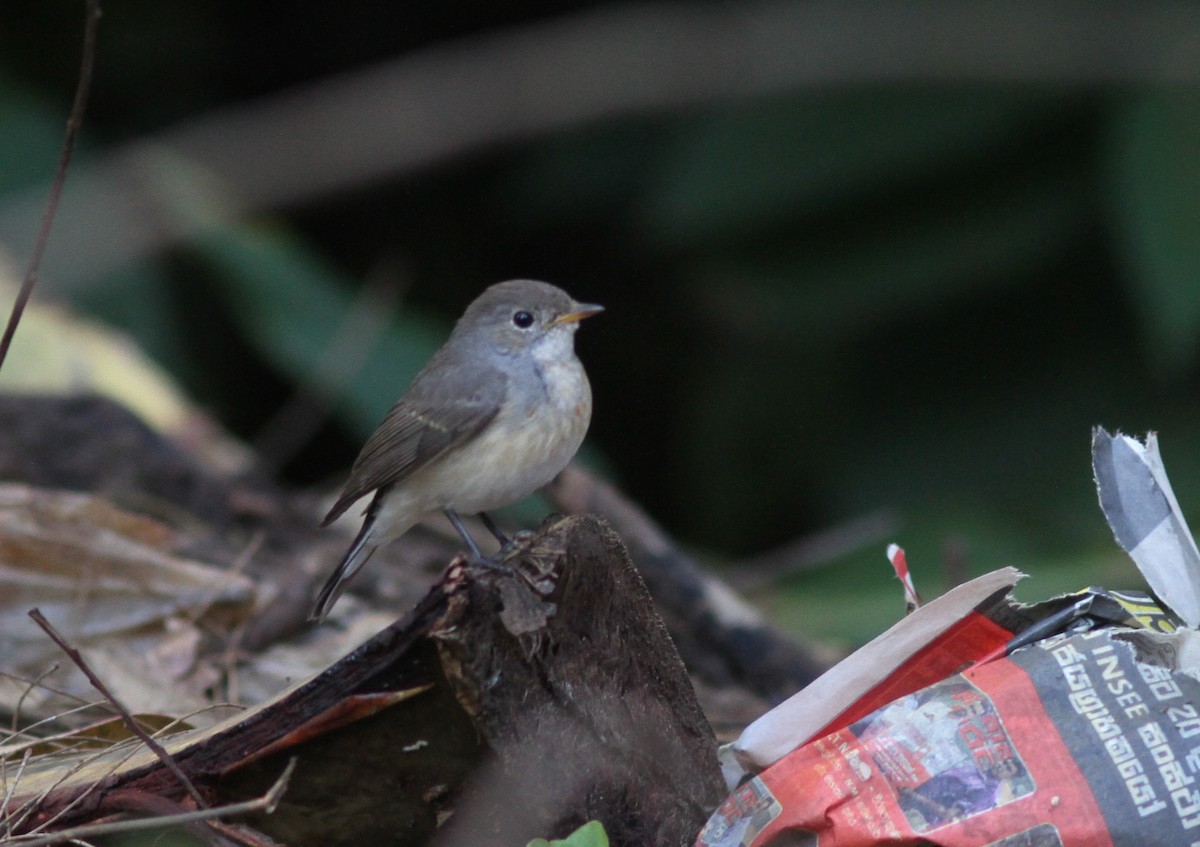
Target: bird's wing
[429,419]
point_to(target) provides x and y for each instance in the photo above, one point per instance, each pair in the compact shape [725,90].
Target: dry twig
[134,727]
[265,803]
[812,551]
[86,66]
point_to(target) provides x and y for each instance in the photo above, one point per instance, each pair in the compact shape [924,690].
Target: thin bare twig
[265,803]
[134,727]
[33,804]
[12,788]
[242,835]
[68,740]
[38,682]
[33,683]
[12,742]
[86,66]
[16,819]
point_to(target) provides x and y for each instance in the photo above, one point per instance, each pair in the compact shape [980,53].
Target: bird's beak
[578,312]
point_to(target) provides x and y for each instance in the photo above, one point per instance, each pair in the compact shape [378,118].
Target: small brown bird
[496,413]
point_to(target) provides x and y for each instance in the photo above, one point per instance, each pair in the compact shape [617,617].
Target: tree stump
[566,669]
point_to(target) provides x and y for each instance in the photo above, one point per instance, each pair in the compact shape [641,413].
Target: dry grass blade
[265,803]
[5,819]
[24,694]
[39,681]
[17,818]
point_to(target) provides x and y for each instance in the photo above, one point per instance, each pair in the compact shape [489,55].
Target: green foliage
[289,303]
[737,172]
[591,834]
[31,133]
[1153,182]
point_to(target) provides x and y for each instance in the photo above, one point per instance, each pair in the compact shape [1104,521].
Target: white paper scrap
[795,720]
[1136,498]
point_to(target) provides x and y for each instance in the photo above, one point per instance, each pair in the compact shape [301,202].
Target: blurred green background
[859,260]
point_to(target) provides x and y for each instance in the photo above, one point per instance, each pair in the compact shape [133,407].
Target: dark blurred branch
[722,638]
[813,551]
[454,99]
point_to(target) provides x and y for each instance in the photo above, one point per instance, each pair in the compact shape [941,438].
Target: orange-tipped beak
[578,313]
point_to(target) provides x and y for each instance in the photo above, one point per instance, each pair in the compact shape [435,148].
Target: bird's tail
[358,554]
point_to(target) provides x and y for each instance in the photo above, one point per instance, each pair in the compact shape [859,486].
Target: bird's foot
[511,543]
[495,564]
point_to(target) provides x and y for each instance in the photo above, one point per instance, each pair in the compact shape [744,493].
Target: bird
[494,415]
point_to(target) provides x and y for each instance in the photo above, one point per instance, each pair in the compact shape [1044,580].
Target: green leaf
[907,263]
[1154,187]
[591,834]
[33,135]
[138,299]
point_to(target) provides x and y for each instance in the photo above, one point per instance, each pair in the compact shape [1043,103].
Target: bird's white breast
[540,427]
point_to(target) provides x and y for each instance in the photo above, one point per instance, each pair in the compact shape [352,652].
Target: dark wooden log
[570,675]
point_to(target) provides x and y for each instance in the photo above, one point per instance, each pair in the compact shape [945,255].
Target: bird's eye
[523,319]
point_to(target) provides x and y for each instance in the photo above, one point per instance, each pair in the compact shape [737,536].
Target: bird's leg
[492,563]
[466,536]
[504,540]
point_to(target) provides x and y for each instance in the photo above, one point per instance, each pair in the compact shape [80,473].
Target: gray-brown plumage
[498,410]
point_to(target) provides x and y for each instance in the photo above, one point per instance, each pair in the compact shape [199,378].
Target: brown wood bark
[571,677]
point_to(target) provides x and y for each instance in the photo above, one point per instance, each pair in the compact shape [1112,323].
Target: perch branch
[812,551]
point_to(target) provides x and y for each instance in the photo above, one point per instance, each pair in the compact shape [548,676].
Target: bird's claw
[512,542]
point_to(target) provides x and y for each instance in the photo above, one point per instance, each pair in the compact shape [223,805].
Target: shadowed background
[870,267]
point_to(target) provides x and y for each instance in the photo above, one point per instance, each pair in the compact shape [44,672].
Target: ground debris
[448,716]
